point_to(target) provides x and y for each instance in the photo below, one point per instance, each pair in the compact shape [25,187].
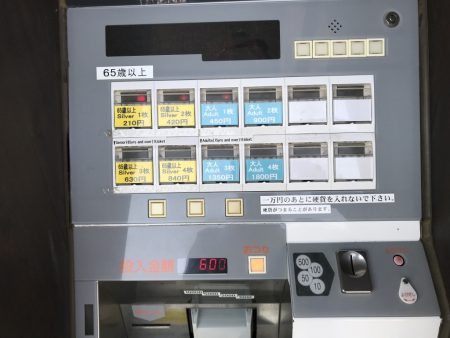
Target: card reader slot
[263,94]
[134,154]
[132,97]
[353,149]
[220,151]
[308,150]
[219,95]
[307,93]
[177,152]
[352,91]
[176,96]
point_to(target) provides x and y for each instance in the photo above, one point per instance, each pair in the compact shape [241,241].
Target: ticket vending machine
[247,169]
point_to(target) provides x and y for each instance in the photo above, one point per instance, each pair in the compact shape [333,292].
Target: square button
[339,49]
[195,208]
[256,264]
[156,208]
[234,207]
[321,49]
[358,48]
[375,47]
[303,49]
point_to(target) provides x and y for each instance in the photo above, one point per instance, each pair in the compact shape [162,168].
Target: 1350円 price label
[177,171]
[133,116]
[176,115]
[128,173]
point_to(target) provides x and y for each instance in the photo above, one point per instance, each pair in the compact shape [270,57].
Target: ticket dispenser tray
[195,309]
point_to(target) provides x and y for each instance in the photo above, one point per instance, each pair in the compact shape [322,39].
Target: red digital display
[206,265]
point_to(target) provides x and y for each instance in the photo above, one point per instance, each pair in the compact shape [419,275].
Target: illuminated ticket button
[339,49]
[156,208]
[256,264]
[321,49]
[375,47]
[357,48]
[303,49]
[195,208]
[234,207]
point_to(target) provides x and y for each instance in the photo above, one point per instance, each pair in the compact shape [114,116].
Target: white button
[317,286]
[304,278]
[234,207]
[303,49]
[316,270]
[157,208]
[303,262]
[196,208]
[339,48]
[321,49]
[376,47]
[357,48]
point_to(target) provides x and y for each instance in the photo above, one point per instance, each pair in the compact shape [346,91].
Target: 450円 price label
[135,116]
[128,173]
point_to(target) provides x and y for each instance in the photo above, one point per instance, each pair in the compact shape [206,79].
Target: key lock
[354,271]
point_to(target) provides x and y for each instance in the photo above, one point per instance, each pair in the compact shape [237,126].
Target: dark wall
[34,245]
[439,45]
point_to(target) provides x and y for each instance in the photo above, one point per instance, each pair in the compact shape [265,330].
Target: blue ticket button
[219,114]
[264,170]
[260,113]
[221,171]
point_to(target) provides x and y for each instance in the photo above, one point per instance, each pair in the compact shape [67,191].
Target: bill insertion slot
[263,106]
[307,104]
[132,109]
[177,165]
[264,163]
[176,108]
[219,107]
[352,103]
[308,162]
[353,161]
[220,164]
[134,166]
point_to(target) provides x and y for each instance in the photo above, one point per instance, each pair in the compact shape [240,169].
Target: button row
[339,48]
[234,207]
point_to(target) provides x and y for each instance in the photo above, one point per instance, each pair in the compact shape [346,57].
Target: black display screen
[215,41]
[206,265]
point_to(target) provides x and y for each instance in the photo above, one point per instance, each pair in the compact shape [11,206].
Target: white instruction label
[125,72]
[295,209]
[327,199]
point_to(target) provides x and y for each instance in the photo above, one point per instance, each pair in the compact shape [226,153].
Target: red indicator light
[141,98]
[226,97]
[399,260]
[184,97]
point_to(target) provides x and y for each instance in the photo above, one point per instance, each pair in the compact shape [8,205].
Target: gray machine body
[114,229]
[396,89]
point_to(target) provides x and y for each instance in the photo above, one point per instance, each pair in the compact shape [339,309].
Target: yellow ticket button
[171,115]
[177,171]
[139,172]
[132,116]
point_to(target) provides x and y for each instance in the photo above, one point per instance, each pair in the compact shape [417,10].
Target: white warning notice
[327,199]
[295,209]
